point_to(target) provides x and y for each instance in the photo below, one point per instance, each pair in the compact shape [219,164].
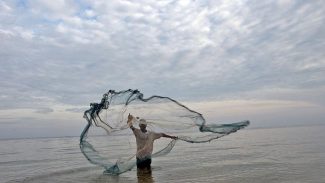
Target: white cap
[142,121]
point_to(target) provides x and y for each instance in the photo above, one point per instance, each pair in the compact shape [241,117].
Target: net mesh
[162,114]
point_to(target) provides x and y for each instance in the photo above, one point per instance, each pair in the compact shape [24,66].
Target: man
[144,140]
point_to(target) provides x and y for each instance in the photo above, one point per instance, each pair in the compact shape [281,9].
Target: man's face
[142,126]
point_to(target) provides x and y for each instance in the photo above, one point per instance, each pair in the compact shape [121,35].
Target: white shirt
[145,142]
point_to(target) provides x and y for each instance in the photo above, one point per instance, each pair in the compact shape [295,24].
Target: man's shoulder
[136,130]
[154,133]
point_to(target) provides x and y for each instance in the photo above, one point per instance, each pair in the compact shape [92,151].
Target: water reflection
[145,175]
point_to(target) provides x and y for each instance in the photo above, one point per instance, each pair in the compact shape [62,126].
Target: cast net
[107,140]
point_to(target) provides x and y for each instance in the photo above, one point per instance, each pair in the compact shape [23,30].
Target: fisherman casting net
[162,114]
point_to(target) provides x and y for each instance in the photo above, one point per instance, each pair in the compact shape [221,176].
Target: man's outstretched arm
[168,136]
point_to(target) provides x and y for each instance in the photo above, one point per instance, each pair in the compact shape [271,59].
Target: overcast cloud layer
[58,56]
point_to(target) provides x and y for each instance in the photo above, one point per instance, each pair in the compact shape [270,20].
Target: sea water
[291,154]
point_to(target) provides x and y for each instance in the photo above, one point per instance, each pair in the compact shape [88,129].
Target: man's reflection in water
[144,175]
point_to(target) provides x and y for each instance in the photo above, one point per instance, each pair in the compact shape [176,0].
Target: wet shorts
[145,163]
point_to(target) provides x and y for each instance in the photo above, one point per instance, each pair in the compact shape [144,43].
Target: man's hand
[130,118]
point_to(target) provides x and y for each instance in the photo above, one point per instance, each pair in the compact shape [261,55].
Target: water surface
[295,154]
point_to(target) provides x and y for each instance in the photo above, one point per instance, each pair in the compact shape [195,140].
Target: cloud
[262,113]
[77,110]
[44,110]
[69,53]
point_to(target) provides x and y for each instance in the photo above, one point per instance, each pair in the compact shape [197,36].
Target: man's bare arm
[169,136]
[132,127]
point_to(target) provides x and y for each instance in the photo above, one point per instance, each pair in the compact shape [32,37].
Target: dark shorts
[144,163]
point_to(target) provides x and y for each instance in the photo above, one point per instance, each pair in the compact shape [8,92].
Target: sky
[230,60]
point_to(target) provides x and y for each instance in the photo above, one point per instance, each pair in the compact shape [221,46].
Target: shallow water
[295,154]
